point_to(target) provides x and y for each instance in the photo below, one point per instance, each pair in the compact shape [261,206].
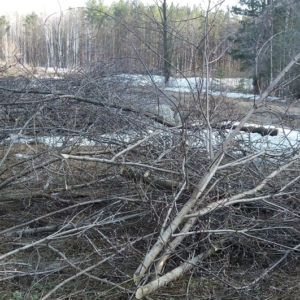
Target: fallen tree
[164,240]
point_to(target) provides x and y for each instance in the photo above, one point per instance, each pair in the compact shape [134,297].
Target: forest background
[255,38]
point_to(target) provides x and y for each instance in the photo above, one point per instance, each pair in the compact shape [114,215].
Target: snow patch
[193,84]
[21,155]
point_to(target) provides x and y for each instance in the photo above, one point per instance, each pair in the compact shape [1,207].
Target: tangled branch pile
[101,191]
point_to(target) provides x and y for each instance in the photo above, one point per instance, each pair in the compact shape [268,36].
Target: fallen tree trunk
[262,130]
[179,271]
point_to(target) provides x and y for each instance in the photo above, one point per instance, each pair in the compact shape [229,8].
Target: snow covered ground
[183,85]
[52,70]
[286,140]
[192,84]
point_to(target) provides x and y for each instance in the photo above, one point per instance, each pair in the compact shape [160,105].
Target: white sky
[51,6]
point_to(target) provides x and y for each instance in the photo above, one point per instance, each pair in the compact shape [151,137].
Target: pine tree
[266,40]
[250,37]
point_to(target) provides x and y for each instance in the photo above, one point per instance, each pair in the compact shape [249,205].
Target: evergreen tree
[251,35]
[266,40]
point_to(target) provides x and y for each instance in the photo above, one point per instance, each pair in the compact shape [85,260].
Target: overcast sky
[51,6]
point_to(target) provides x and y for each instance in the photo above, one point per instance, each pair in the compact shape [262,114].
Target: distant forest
[127,34]
[256,39]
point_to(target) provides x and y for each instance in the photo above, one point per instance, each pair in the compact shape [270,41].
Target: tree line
[256,37]
[127,34]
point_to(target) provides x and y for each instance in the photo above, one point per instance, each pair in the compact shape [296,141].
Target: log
[262,130]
